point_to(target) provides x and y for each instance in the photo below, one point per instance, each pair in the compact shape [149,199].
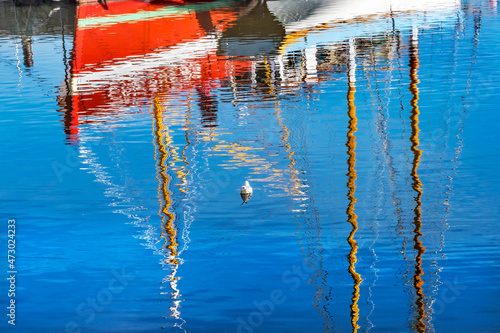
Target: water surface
[367,132]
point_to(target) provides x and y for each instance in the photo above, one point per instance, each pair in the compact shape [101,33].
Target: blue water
[374,171]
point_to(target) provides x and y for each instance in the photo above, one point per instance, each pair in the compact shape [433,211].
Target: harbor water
[366,129]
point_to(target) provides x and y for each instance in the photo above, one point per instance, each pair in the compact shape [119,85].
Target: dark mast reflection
[418,282]
[312,240]
[351,184]
[208,105]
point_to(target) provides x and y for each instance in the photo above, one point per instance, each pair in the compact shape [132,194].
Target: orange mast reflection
[163,144]
[168,232]
[420,325]
[351,185]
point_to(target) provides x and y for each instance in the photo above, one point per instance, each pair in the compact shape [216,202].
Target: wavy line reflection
[418,282]
[351,185]
[306,217]
[163,144]
[383,58]
[311,234]
[312,229]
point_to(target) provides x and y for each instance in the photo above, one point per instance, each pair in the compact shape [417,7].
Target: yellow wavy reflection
[351,185]
[163,143]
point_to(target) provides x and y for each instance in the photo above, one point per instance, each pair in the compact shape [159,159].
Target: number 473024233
[11,244]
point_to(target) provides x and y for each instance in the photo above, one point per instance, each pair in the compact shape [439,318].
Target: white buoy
[246,192]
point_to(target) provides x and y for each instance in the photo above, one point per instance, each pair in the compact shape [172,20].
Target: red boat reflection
[129,51]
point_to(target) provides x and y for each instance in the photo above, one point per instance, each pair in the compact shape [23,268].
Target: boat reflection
[256,33]
[131,50]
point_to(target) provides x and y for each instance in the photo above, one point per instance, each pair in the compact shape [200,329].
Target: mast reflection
[163,141]
[168,232]
[314,250]
[351,184]
[418,282]
[310,230]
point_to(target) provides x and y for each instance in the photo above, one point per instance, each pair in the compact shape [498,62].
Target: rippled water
[367,131]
